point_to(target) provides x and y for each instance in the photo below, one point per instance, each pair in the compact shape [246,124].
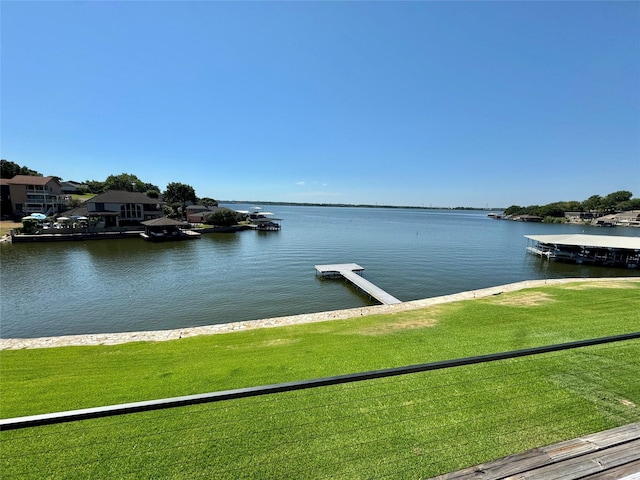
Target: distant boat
[496,216]
[527,218]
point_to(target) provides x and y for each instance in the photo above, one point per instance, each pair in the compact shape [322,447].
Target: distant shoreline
[355,205]
[96,339]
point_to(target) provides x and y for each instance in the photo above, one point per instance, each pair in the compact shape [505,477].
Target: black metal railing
[145,406]
[406,422]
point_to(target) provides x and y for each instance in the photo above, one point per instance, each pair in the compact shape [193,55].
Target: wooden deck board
[629,471]
[584,465]
[614,452]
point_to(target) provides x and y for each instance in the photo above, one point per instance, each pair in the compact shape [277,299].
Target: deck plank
[611,448]
[584,465]
[629,471]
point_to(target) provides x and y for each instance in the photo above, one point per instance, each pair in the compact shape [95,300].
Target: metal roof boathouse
[605,250]
[163,229]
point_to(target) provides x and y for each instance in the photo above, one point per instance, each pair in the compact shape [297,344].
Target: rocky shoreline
[162,335]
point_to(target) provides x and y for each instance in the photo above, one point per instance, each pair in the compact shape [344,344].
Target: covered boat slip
[164,229]
[606,250]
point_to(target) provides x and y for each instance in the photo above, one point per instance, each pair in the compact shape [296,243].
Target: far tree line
[619,201]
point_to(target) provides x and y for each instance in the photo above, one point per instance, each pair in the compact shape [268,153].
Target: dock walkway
[348,271]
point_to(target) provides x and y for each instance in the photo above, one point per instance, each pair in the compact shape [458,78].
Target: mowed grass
[7,226]
[84,197]
[406,427]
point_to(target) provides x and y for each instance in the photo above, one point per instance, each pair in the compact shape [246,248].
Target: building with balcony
[29,194]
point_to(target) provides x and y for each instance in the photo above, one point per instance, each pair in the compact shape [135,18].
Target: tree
[9,170]
[513,210]
[223,217]
[74,202]
[633,204]
[571,206]
[124,181]
[615,201]
[150,187]
[94,186]
[551,210]
[619,196]
[173,210]
[168,211]
[593,203]
[180,193]
[208,202]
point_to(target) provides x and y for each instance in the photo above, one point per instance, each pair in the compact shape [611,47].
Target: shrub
[223,217]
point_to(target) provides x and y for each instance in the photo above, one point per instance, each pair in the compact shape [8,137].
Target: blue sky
[404,103]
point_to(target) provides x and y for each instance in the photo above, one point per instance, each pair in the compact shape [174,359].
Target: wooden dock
[610,455]
[351,272]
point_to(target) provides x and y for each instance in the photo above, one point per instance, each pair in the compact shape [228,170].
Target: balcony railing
[408,422]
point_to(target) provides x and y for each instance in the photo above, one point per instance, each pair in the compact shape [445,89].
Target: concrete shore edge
[162,335]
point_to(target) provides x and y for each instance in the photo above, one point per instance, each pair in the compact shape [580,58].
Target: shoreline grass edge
[174,334]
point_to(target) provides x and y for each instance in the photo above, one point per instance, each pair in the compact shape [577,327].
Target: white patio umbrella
[39,216]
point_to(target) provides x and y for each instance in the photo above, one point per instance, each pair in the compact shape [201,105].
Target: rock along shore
[161,335]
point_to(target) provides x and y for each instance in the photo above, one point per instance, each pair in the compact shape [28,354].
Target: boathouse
[605,250]
[164,228]
[264,221]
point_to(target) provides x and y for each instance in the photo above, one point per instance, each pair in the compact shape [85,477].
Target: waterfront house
[30,194]
[117,208]
[629,218]
[580,217]
[196,213]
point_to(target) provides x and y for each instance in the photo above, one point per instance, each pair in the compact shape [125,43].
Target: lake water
[129,284]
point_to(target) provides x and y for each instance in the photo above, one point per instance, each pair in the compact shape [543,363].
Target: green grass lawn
[405,427]
[84,197]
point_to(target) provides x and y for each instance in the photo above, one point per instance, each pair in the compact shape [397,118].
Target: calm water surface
[128,285]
